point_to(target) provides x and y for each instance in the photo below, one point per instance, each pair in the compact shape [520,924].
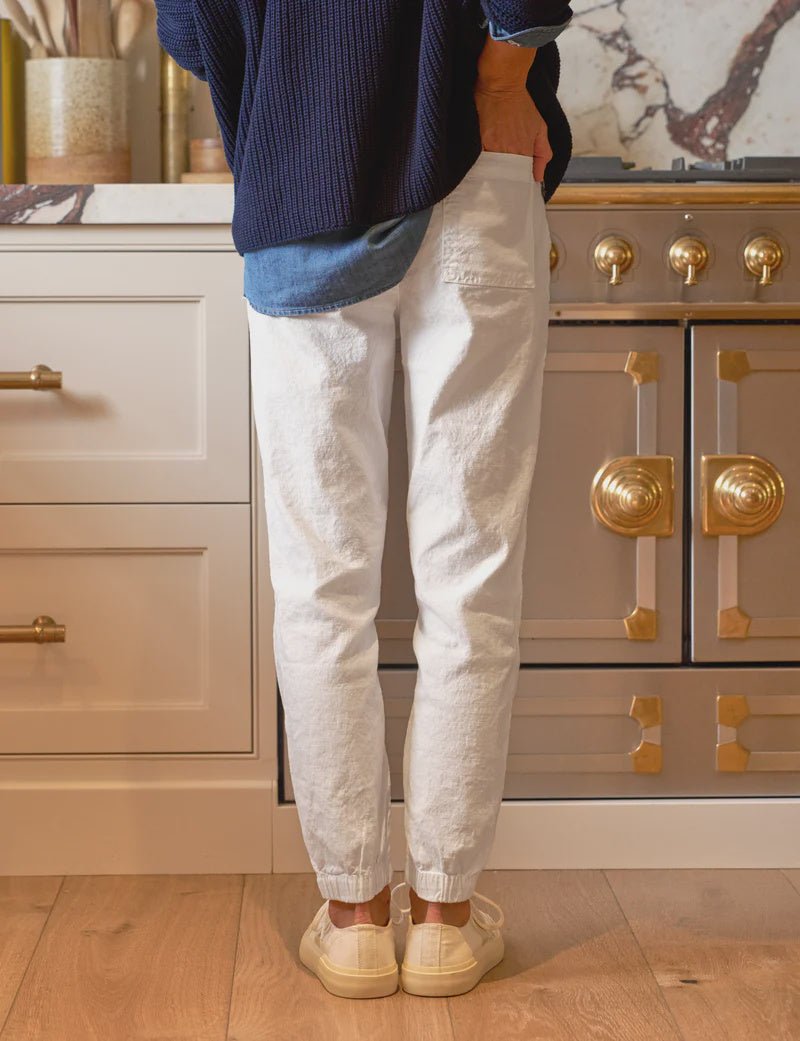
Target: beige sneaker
[442,960]
[357,961]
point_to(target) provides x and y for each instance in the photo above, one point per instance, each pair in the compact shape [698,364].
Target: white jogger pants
[472,314]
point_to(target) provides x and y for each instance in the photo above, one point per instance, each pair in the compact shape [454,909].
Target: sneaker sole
[434,982]
[348,983]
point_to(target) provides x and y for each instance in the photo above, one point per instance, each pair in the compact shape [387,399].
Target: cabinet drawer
[154,402]
[631,733]
[156,605]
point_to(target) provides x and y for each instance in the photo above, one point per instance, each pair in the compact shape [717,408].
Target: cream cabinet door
[152,361]
[153,604]
[746,485]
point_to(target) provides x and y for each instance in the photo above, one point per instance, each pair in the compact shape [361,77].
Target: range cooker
[660,637]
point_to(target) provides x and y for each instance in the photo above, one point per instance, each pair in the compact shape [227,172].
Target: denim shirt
[335,268]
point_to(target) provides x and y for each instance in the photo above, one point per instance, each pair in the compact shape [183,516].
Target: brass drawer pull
[633,495]
[41,377]
[43,630]
[742,494]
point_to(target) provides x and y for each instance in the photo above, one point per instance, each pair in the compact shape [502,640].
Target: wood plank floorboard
[591,955]
[723,945]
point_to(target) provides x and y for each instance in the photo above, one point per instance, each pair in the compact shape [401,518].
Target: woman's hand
[511,122]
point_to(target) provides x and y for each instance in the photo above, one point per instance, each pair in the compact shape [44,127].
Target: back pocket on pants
[487,223]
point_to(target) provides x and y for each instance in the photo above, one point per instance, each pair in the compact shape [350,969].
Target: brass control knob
[688,255]
[762,256]
[553,256]
[612,256]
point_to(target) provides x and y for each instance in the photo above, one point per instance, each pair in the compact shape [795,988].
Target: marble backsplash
[702,79]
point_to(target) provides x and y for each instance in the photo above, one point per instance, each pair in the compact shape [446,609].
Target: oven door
[602,574]
[745,476]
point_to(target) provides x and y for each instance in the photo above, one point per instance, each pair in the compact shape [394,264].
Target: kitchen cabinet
[148,395]
[130,646]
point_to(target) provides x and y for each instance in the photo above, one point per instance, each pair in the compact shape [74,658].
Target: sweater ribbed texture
[342,112]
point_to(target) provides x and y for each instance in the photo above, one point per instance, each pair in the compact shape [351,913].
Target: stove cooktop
[600,168]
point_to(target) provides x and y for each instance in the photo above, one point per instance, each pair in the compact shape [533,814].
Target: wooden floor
[615,955]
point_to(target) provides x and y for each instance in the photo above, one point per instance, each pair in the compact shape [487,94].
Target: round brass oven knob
[762,256]
[553,256]
[688,255]
[612,256]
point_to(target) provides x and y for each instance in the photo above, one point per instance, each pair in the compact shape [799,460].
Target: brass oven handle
[741,494]
[612,256]
[762,256]
[687,256]
[43,630]
[40,377]
[633,495]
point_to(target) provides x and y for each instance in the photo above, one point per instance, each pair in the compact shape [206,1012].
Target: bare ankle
[375,911]
[445,913]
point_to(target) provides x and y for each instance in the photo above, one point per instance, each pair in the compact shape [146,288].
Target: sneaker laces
[402,911]
[483,917]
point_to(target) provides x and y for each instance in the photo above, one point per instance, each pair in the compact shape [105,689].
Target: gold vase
[176,106]
[77,121]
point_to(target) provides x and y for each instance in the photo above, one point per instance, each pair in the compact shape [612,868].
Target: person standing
[391,163]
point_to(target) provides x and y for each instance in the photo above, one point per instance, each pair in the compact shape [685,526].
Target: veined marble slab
[116,203]
[702,79]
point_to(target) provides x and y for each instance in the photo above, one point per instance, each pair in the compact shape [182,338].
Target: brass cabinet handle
[612,256]
[687,256]
[762,256]
[40,377]
[633,495]
[553,256]
[742,494]
[43,630]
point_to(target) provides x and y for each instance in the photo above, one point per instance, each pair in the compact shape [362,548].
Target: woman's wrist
[504,67]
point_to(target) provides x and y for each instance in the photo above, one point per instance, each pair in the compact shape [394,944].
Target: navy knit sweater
[354,111]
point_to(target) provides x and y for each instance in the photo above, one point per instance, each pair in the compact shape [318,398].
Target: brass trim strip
[719,195]
[755,311]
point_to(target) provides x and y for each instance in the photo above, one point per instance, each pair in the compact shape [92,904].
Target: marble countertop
[116,203]
[213,203]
